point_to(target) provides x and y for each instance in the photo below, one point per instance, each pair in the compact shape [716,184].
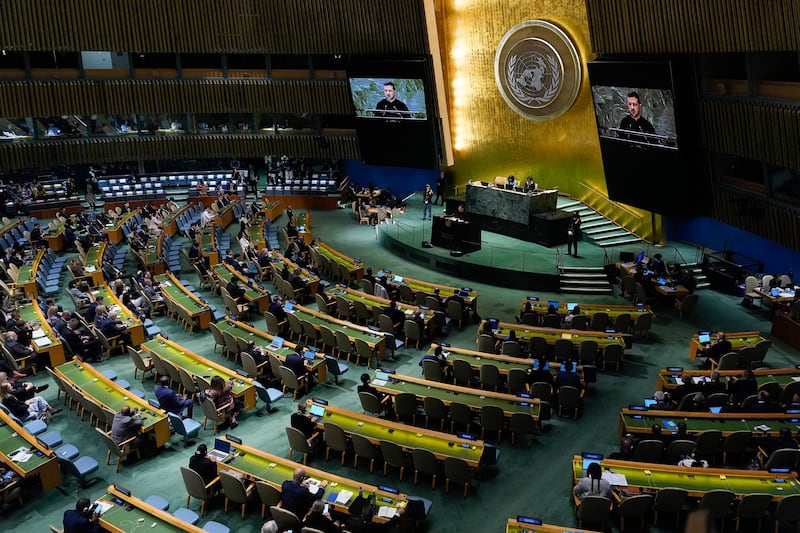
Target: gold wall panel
[489,138]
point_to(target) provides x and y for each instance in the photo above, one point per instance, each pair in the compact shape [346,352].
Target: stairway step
[587,282]
[582,270]
[618,242]
[585,290]
[604,231]
[582,277]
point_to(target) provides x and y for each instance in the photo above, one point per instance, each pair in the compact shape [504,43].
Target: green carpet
[533,482]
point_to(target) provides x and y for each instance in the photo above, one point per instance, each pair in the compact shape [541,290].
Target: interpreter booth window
[784,184]
[62,127]
[212,123]
[162,124]
[16,129]
[201,66]
[124,125]
[155,65]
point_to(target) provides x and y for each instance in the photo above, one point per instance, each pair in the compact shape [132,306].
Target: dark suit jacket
[75,522]
[295,362]
[203,466]
[297,498]
[303,423]
[323,523]
[572,379]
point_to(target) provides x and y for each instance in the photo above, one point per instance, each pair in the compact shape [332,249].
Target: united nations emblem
[537,70]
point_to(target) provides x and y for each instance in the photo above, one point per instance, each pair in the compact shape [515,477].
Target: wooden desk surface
[698,481]
[49,343]
[134,514]
[173,289]
[668,379]
[376,340]
[92,383]
[264,340]
[44,463]
[256,464]
[541,307]
[641,422]
[408,437]
[474,398]
[738,340]
[515,526]
[356,268]
[551,335]
[133,324]
[197,365]
[429,287]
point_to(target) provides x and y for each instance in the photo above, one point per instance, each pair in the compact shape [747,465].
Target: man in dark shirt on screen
[634,121]
[390,103]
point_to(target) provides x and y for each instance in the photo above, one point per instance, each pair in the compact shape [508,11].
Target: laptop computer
[493,323]
[289,306]
[571,306]
[640,257]
[277,343]
[398,279]
[715,409]
[554,303]
[221,451]
[588,458]
[308,354]
[316,410]
[649,401]
[704,338]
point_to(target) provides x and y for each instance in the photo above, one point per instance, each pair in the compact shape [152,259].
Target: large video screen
[389,99]
[395,111]
[636,115]
[646,118]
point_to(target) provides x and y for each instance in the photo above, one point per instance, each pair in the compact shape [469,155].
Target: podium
[455,234]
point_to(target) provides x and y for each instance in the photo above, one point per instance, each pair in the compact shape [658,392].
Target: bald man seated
[297,494]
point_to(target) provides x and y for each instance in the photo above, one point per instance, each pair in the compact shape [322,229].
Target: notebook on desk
[221,451]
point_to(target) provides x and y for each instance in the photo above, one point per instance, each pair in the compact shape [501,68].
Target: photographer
[82,519]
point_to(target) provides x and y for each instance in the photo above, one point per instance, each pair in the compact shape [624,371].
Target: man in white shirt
[205,217]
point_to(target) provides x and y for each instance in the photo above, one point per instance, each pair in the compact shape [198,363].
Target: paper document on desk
[37,333]
[344,497]
[795,378]
[618,480]
[103,506]
[679,381]
[379,382]
[387,512]
[90,268]
[20,455]
[44,341]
